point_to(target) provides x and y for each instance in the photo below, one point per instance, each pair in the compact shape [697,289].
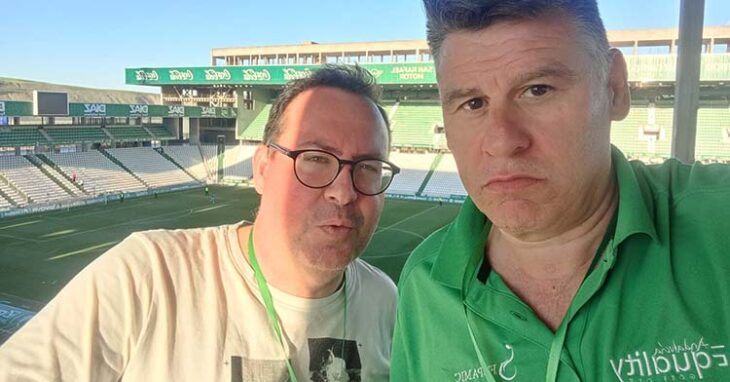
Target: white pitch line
[404,219]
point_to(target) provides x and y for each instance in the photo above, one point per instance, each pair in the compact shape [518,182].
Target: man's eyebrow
[319,146]
[551,70]
[458,94]
[335,150]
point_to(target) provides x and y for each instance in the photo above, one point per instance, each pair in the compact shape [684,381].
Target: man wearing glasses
[282,299]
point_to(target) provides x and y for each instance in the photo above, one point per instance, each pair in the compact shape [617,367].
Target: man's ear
[618,84]
[260,165]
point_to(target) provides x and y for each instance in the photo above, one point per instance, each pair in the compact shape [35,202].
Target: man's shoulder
[679,180]
[168,246]
[424,255]
[178,236]
[371,277]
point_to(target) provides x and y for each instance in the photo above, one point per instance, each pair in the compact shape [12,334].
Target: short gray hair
[447,16]
[350,78]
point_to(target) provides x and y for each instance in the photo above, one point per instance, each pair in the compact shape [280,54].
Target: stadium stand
[713,134]
[129,133]
[76,134]
[237,162]
[255,130]
[21,136]
[160,132]
[645,133]
[413,123]
[97,173]
[445,181]
[414,168]
[190,158]
[10,194]
[30,180]
[210,158]
[5,203]
[154,169]
[55,175]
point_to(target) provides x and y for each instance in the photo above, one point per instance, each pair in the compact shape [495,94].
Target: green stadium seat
[633,134]
[21,136]
[413,123]
[76,134]
[132,133]
[255,130]
[160,132]
[713,142]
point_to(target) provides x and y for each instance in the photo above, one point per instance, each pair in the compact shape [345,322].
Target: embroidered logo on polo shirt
[683,360]
[502,369]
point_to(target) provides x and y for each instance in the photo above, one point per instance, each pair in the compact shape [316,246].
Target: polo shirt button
[518,315]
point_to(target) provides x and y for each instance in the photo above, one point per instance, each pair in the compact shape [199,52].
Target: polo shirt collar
[635,207]
[463,245]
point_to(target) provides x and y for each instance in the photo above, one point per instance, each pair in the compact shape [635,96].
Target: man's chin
[331,258]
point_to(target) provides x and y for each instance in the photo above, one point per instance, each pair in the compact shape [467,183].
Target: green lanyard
[269,303]
[556,349]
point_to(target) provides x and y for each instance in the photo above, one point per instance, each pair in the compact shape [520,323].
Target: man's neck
[548,273]
[284,274]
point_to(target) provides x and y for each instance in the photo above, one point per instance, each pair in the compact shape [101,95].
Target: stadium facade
[248,78]
[211,118]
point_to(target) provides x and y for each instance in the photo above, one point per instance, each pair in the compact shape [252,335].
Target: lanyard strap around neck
[556,350]
[268,303]
[271,310]
[482,362]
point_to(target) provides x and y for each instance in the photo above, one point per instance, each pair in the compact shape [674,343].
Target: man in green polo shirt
[567,262]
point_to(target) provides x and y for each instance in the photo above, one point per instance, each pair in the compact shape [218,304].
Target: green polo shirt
[655,307]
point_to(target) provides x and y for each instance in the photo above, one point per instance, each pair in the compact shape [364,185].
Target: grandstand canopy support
[686,93]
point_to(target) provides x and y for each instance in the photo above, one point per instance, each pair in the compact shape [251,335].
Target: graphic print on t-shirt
[334,360]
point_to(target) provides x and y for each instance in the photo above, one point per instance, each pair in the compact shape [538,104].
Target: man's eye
[473,104]
[537,90]
[371,167]
[317,158]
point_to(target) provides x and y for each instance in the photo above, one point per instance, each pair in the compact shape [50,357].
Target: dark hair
[447,16]
[351,78]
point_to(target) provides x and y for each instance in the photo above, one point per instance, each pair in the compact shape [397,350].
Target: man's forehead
[333,119]
[518,51]
[505,35]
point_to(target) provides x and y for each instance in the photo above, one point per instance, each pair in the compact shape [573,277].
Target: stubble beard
[318,251]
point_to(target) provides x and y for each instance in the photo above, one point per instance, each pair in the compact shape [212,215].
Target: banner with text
[646,68]
[25,109]
[385,74]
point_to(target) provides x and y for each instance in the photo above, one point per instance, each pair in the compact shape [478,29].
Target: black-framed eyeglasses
[318,169]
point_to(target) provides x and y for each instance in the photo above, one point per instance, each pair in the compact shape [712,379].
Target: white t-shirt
[184,305]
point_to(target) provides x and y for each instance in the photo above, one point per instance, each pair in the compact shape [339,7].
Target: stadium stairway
[108,133]
[209,170]
[45,135]
[434,165]
[120,164]
[161,151]
[40,165]
[7,197]
[148,131]
[77,188]
[9,190]
[392,110]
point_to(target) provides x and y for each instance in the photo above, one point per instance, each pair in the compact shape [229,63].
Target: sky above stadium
[89,43]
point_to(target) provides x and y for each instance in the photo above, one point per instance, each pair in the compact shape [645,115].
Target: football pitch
[40,253]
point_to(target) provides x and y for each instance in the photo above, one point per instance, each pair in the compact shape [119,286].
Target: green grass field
[40,253]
